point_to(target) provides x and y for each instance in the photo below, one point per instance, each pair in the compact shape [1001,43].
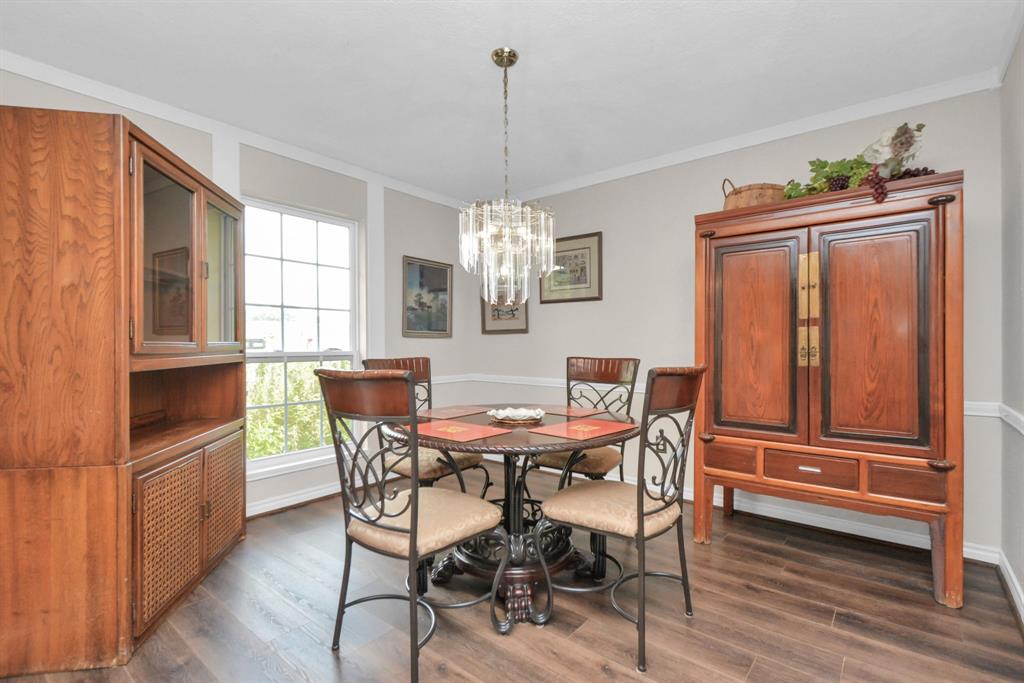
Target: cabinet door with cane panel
[225,492]
[169,504]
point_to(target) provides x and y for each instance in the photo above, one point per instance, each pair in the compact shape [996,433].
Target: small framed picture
[504,318]
[577,273]
[426,298]
[172,294]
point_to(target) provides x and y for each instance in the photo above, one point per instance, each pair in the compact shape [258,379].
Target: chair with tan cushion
[605,383]
[409,525]
[649,509]
[608,384]
[433,464]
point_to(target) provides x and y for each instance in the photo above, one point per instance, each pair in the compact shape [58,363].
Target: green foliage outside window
[271,399]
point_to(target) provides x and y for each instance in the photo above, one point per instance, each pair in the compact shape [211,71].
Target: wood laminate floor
[772,602]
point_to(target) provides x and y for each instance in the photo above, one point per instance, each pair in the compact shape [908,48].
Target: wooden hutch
[832,329]
[122,386]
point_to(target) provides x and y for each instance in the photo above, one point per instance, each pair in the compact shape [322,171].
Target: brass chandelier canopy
[506,242]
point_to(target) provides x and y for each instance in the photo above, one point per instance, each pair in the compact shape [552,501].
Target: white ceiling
[407,89]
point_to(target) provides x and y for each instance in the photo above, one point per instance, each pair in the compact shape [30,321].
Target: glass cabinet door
[221,275]
[164,203]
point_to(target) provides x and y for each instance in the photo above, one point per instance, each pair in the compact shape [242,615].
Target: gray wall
[648,308]
[1013,309]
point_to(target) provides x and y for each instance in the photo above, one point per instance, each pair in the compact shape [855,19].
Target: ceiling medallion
[506,242]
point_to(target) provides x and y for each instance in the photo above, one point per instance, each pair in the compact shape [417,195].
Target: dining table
[571,430]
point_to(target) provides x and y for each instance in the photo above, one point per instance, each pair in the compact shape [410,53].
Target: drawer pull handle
[942,465]
[705,437]
[808,468]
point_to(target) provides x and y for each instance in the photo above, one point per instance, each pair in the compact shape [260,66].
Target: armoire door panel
[878,335]
[759,382]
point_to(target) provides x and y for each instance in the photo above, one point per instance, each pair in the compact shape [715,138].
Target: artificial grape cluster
[877,184]
[839,182]
[915,173]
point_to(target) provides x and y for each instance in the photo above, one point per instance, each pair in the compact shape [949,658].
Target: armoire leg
[703,498]
[947,532]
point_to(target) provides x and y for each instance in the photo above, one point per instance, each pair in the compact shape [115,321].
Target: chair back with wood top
[605,383]
[385,401]
[419,366]
[665,436]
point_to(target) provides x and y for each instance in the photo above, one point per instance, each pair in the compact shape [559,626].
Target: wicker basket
[751,195]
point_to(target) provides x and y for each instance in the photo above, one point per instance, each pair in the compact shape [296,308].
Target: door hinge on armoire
[131,329]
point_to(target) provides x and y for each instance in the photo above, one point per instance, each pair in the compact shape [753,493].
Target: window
[299,315]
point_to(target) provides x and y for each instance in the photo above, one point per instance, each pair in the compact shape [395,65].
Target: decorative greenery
[889,155]
[824,172]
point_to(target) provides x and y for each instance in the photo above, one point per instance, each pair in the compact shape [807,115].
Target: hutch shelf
[122,475]
[832,329]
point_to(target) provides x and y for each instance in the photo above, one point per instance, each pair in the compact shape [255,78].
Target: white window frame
[296,461]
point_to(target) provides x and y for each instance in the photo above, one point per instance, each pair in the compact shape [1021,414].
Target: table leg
[480,557]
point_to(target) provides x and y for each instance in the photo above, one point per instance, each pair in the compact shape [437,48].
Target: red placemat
[572,411]
[449,412]
[460,432]
[580,430]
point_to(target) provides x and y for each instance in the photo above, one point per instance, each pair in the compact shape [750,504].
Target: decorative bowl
[516,416]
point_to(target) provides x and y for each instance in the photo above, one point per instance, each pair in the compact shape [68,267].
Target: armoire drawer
[913,483]
[731,456]
[821,470]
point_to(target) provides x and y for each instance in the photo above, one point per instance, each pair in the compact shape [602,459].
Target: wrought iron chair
[406,525]
[653,507]
[433,464]
[605,383]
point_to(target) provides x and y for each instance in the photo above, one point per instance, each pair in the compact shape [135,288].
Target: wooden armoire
[832,330]
[122,386]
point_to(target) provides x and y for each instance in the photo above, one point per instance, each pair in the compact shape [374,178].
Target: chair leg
[344,593]
[423,576]
[683,571]
[414,645]
[487,480]
[502,626]
[541,618]
[622,470]
[641,607]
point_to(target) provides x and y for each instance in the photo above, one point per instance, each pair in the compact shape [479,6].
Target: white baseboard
[766,507]
[259,507]
[1012,584]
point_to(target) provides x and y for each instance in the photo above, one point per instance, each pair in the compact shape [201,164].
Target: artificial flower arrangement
[885,159]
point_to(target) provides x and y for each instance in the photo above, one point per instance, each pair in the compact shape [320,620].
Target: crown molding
[1015,31]
[39,71]
[984,80]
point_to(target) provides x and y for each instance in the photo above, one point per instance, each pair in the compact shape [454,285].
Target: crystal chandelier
[506,242]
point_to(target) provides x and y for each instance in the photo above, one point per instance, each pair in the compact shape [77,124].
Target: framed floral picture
[504,318]
[577,273]
[426,298]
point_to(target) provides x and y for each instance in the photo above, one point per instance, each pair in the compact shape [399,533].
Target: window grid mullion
[285,357]
[280,265]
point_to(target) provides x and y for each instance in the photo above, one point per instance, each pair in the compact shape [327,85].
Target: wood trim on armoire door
[764,257]
[885,279]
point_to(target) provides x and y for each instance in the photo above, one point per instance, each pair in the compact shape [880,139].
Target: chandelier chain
[504,83]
